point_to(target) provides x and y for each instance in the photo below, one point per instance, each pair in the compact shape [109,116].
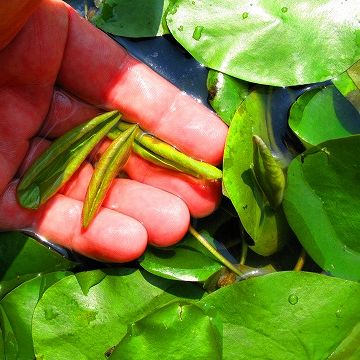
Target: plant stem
[244,250]
[213,251]
[301,261]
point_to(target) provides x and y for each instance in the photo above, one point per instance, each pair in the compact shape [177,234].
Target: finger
[15,14]
[202,197]
[66,112]
[111,237]
[139,93]
[165,216]
[26,80]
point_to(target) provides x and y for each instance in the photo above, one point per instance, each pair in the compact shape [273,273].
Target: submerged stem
[301,261]
[213,251]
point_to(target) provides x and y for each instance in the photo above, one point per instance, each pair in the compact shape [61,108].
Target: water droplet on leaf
[338,313]
[293,299]
[284,9]
[197,32]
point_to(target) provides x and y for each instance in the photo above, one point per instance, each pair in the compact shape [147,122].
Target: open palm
[59,71]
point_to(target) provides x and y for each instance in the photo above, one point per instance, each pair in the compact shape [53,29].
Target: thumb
[14,14]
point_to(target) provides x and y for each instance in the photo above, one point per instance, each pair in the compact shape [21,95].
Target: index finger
[107,76]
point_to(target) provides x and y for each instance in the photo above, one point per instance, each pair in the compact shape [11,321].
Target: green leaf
[323,114]
[322,202]
[89,325]
[16,310]
[60,161]
[288,316]
[107,168]
[272,42]
[163,154]
[268,173]
[267,227]
[354,73]
[141,18]
[225,94]
[176,331]
[22,258]
[347,87]
[186,261]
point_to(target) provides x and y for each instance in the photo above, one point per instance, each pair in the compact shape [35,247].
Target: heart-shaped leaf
[288,315]
[322,203]
[273,42]
[168,331]
[89,324]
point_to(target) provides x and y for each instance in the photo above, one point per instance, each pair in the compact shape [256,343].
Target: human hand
[59,71]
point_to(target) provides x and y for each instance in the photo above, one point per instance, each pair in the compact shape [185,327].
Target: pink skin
[57,47]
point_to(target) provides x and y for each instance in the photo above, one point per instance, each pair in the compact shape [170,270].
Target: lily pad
[186,261]
[345,84]
[288,315]
[70,323]
[168,331]
[23,258]
[322,201]
[141,18]
[269,41]
[267,227]
[16,310]
[323,114]
[226,94]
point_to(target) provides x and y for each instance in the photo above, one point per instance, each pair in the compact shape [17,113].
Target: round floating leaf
[23,258]
[267,227]
[323,114]
[141,18]
[322,202]
[176,331]
[85,316]
[16,310]
[273,42]
[288,315]
[184,261]
[225,94]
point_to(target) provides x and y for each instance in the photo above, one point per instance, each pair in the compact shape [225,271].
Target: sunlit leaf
[176,331]
[273,42]
[225,94]
[288,315]
[88,324]
[60,161]
[107,168]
